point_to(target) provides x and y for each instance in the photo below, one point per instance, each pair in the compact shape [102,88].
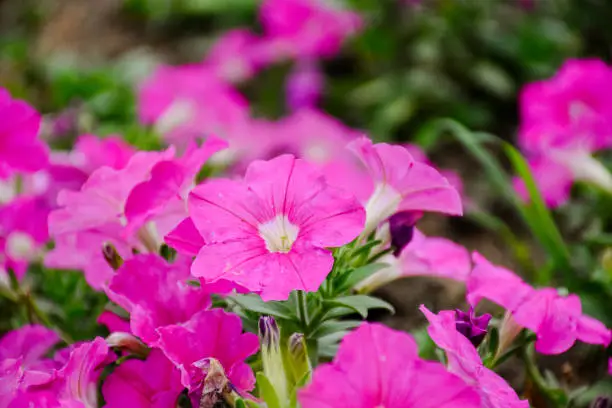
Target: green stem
[35,311]
[528,357]
[302,305]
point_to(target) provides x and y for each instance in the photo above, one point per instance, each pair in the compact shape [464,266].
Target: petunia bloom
[473,327]
[402,184]
[463,360]
[269,232]
[307,28]
[156,294]
[152,383]
[563,121]
[20,149]
[379,367]
[210,334]
[556,320]
[423,256]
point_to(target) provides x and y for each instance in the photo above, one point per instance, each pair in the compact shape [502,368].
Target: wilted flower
[269,232]
[377,366]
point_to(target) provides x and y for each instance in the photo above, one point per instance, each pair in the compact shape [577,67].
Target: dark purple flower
[471,326]
[401,228]
[602,402]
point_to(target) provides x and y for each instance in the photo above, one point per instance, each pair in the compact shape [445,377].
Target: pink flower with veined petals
[20,149]
[190,102]
[307,28]
[380,367]
[402,184]
[269,232]
[563,121]
[152,383]
[210,334]
[556,320]
[156,294]
[463,360]
[422,256]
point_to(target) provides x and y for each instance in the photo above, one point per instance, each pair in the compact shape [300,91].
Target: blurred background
[410,62]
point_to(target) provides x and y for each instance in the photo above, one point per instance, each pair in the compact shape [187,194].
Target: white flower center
[20,246]
[382,204]
[178,113]
[279,234]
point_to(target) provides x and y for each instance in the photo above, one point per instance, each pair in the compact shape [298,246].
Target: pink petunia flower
[563,121]
[91,153]
[20,149]
[190,102]
[402,184]
[210,334]
[307,28]
[377,366]
[556,320]
[463,360]
[152,383]
[422,256]
[237,55]
[156,294]
[269,232]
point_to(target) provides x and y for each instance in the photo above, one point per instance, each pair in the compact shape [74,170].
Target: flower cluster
[234,260]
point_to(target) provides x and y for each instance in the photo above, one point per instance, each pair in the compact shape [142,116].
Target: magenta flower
[190,102]
[152,383]
[210,334]
[91,153]
[156,294]
[380,367]
[20,149]
[269,232]
[237,55]
[423,256]
[563,121]
[556,320]
[307,28]
[463,360]
[402,184]
[29,344]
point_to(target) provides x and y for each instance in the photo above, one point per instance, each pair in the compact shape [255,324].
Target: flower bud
[471,326]
[299,362]
[401,228]
[112,256]
[127,342]
[272,357]
[508,331]
[601,402]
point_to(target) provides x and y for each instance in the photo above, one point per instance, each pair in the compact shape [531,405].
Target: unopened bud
[127,342]
[471,326]
[272,357]
[298,358]
[112,256]
[508,331]
[601,402]
[401,228]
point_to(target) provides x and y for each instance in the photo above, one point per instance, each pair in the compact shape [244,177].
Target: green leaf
[357,275]
[239,403]
[266,391]
[539,218]
[334,326]
[361,303]
[255,304]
